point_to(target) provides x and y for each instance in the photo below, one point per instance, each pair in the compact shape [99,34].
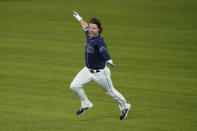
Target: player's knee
[73,86]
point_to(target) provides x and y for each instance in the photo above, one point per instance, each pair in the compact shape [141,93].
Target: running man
[96,55]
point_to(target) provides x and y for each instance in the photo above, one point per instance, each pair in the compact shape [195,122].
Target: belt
[94,71]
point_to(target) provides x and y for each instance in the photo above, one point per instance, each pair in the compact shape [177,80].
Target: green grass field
[152,42]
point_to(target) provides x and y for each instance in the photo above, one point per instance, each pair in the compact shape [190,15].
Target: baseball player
[96,55]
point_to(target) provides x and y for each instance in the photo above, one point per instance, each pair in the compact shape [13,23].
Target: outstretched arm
[80,19]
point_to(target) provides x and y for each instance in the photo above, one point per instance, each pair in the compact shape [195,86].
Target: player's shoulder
[100,39]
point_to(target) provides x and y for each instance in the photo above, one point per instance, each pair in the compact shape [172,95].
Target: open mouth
[91,34]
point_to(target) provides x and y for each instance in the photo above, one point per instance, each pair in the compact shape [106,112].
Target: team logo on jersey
[89,49]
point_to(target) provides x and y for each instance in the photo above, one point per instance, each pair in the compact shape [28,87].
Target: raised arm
[80,19]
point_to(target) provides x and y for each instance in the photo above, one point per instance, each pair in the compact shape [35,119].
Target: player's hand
[77,16]
[110,62]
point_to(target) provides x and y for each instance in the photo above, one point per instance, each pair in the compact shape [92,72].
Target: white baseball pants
[103,79]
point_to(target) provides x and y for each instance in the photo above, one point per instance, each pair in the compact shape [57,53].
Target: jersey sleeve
[86,31]
[103,50]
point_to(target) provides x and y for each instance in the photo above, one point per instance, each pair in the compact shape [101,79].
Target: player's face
[93,30]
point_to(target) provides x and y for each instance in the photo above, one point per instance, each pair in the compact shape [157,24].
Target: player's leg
[82,78]
[104,80]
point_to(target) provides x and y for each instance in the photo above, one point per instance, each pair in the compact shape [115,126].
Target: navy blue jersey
[95,52]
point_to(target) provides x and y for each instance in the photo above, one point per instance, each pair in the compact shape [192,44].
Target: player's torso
[91,47]
[94,58]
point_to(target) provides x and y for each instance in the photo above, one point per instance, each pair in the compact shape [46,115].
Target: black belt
[94,71]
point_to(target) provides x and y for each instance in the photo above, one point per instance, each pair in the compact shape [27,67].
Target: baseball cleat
[124,113]
[83,110]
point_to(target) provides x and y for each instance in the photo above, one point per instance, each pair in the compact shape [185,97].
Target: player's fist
[77,16]
[110,62]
